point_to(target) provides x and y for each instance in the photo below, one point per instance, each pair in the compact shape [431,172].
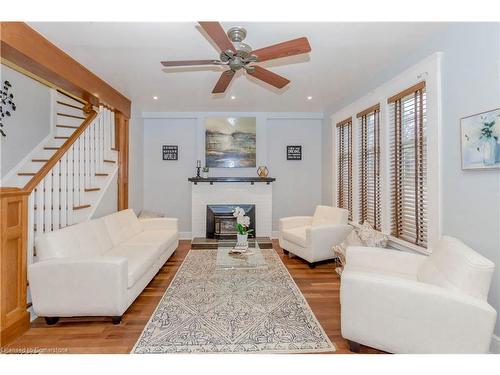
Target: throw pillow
[371,237]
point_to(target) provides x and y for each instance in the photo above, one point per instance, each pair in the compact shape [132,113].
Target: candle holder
[198,168]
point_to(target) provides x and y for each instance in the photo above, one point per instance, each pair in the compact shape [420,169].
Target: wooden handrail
[38,177]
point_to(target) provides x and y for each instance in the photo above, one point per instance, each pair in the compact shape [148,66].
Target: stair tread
[39,160]
[67,126]
[26,174]
[81,207]
[69,115]
[51,148]
[109,161]
[69,105]
[92,189]
[60,137]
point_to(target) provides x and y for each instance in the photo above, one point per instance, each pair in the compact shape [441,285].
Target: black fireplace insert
[221,224]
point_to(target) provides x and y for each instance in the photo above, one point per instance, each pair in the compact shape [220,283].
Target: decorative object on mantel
[7,104]
[262,171]
[213,180]
[364,235]
[242,224]
[480,140]
[230,142]
[293,152]
[205,171]
[198,168]
[170,152]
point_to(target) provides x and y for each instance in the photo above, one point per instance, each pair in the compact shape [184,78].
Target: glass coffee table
[251,259]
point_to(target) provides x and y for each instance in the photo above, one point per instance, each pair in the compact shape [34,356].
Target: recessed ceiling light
[233,97]
[309,98]
[155,97]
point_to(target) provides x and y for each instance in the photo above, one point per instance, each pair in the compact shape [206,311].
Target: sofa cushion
[122,225]
[455,266]
[58,244]
[329,215]
[162,238]
[80,240]
[140,259]
[296,235]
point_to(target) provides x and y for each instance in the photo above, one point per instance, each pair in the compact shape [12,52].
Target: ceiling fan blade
[190,62]
[223,82]
[269,77]
[289,48]
[218,35]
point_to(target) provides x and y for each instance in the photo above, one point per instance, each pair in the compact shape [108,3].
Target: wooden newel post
[122,142]
[14,318]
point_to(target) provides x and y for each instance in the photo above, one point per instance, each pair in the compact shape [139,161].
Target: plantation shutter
[369,166]
[409,165]
[344,157]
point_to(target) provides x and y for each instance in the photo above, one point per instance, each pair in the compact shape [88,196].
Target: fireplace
[221,224]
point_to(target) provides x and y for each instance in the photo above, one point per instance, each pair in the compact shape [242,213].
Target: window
[369,166]
[344,170]
[408,153]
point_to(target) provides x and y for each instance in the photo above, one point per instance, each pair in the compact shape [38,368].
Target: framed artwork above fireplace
[230,142]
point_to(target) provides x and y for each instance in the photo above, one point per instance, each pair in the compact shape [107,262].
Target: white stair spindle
[92,154]
[70,188]
[47,206]
[64,191]
[81,172]
[31,227]
[39,203]
[56,196]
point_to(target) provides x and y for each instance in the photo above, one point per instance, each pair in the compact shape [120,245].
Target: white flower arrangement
[242,221]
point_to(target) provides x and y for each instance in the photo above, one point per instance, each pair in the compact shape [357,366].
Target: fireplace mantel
[212,180]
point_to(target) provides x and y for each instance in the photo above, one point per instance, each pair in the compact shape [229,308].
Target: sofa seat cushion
[122,225]
[296,235]
[162,238]
[140,259]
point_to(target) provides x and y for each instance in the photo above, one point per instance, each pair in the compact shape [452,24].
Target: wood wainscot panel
[14,318]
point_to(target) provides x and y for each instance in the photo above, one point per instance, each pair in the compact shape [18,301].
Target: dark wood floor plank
[320,287]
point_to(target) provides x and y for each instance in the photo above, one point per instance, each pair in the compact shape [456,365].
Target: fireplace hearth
[221,224]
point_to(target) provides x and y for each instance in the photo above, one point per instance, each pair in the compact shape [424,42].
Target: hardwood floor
[320,286]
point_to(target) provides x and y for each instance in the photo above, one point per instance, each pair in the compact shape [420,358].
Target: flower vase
[489,151]
[205,174]
[242,239]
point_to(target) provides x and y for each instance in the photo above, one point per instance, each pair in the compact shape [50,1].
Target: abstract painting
[481,140]
[230,142]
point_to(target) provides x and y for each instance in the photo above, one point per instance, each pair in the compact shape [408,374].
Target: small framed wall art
[480,140]
[170,152]
[293,152]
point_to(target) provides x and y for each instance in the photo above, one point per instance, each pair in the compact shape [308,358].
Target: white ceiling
[344,56]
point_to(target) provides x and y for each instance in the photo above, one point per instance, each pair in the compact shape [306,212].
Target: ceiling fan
[237,55]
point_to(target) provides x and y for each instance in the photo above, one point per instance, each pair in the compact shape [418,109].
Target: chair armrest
[327,235]
[406,316]
[379,259]
[294,222]
[76,286]
[159,223]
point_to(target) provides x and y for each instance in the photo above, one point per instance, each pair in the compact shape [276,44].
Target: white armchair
[407,303]
[312,237]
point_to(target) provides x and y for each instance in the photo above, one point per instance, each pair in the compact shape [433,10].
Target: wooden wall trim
[122,144]
[24,47]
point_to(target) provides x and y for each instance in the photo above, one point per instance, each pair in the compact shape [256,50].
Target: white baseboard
[185,236]
[495,345]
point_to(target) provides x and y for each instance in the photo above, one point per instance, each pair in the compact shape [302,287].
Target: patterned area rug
[207,310]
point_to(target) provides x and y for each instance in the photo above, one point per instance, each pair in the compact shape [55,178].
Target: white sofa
[99,267]
[401,302]
[312,237]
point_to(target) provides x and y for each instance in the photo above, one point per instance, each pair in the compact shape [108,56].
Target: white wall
[297,189]
[109,202]
[136,162]
[470,84]
[29,124]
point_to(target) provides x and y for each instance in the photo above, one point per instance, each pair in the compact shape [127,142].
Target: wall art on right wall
[481,140]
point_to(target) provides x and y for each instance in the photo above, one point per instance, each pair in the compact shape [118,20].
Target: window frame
[428,69]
